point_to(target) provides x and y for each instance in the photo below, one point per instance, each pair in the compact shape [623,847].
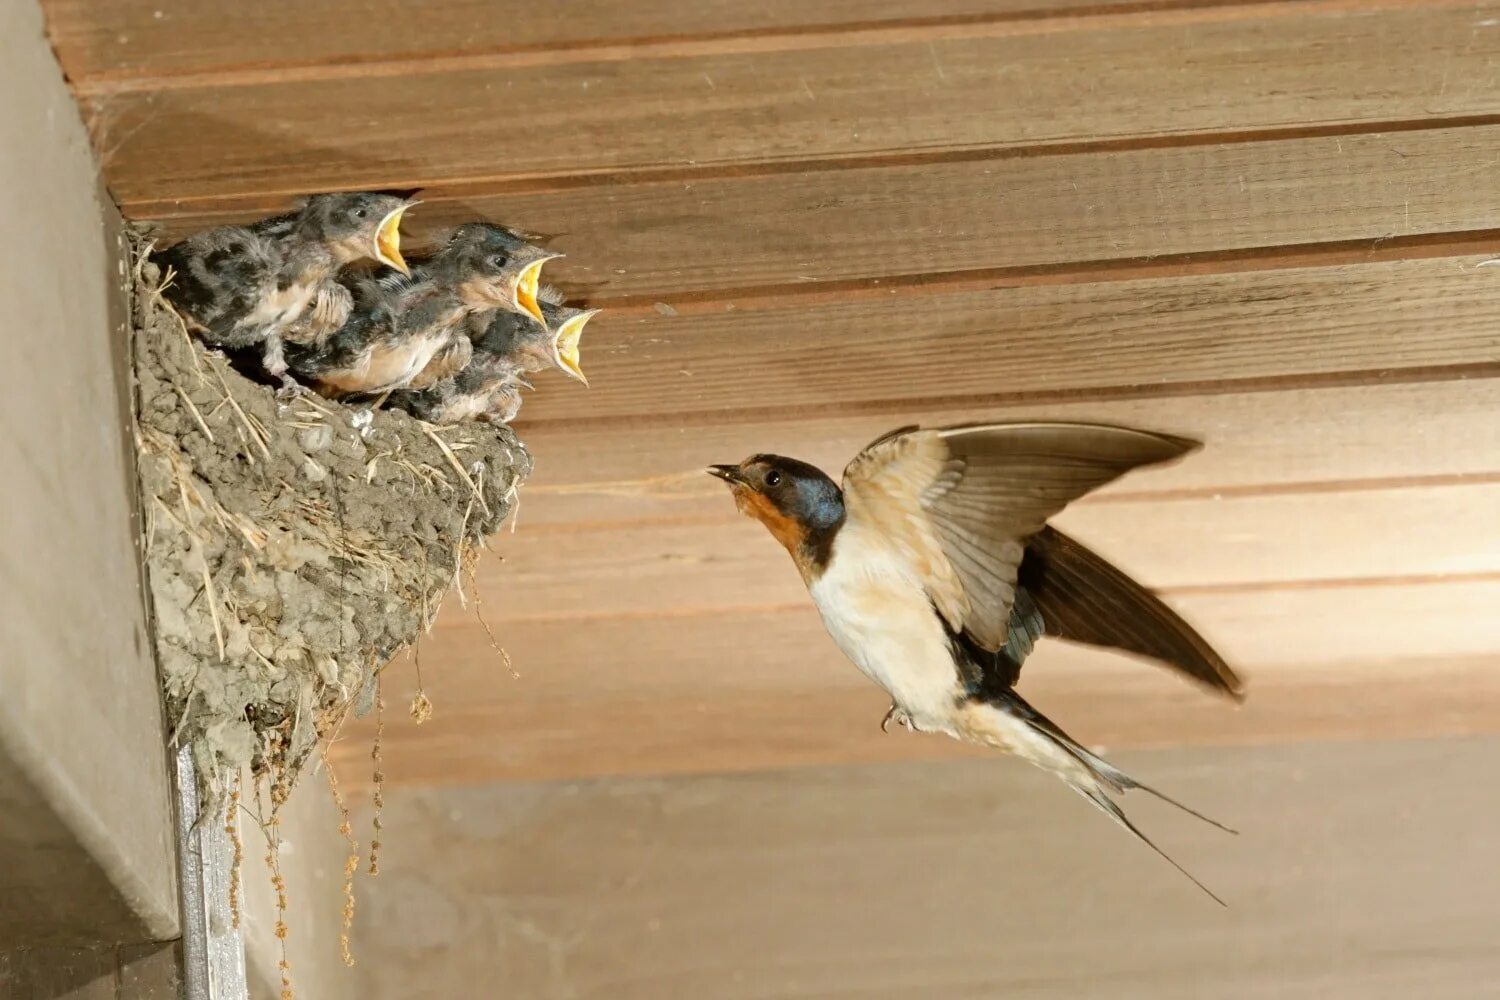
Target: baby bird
[260,285]
[505,348]
[411,331]
[566,324]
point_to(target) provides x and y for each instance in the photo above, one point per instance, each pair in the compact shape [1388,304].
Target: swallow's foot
[897,716]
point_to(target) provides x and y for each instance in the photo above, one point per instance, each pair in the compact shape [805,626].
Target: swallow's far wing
[1079,596]
[961,502]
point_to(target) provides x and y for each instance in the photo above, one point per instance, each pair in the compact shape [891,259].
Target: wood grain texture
[766,689]
[125,42]
[1005,345]
[663,238]
[730,562]
[1362,873]
[944,89]
[1255,443]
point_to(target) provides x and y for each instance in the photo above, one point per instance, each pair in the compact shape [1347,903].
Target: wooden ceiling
[1264,224]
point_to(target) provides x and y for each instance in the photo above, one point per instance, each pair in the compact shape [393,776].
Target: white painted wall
[80,724]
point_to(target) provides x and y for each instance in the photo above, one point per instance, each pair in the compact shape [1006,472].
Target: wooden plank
[1363,872]
[656,239]
[938,90]
[677,567]
[759,690]
[1363,322]
[1276,441]
[124,42]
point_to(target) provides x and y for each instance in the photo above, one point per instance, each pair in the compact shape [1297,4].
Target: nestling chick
[566,324]
[249,286]
[411,332]
[506,347]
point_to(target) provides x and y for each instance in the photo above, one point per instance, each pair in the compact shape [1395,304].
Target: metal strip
[213,950]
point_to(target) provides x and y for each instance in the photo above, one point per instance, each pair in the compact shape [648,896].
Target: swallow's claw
[290,390]
[897,716]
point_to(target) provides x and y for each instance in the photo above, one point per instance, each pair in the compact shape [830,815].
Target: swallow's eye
[360,213]
[498,262]
[773,478]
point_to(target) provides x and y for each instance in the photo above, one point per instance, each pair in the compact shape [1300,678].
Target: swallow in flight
[935,571]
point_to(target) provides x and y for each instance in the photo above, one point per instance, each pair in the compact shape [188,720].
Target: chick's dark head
[492,268]
[357,225]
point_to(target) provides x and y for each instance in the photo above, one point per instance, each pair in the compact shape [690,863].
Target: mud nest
[292,549]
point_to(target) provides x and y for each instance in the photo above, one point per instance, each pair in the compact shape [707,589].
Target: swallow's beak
[729,473]
[568,335]
[388,239]
[528,279]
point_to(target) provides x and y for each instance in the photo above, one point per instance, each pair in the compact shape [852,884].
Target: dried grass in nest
[292,549]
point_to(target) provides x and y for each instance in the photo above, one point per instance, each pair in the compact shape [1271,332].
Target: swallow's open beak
[529,279]
[568,335]
[388,239]
[729,473]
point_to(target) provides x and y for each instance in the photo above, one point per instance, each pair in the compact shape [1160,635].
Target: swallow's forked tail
[1104,777]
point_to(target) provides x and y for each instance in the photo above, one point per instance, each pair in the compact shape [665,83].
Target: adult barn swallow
[258,285]
[411,331]
[935,571]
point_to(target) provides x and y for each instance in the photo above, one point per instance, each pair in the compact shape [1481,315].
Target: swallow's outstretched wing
[1079,596]
[965,504]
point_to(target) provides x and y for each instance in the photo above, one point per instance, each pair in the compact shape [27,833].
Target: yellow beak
[388,239]
[528,284]
[568,335]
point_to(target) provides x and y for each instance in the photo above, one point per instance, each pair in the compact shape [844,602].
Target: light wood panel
[1361,873]
[731,562]
[135,43]
[939,89]
[1001,345]
[741,691]
[1276,441]
[661,238]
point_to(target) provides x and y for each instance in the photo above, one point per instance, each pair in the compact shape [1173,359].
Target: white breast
[879,615]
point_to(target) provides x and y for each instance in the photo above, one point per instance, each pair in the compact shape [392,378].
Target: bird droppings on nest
[292,549]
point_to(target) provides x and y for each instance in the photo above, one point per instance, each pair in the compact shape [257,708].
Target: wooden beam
[133,44]
[939,90]
[792,359]
[659,239]
[1256,443]
[1362,872]
[743,691]
[729,562]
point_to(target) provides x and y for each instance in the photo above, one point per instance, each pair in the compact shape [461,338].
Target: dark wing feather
[1080,597]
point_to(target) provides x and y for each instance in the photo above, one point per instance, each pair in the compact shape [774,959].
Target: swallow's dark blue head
[800,505]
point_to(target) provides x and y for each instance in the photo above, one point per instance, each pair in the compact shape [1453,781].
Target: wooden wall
[1361,873]
[1265,224]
